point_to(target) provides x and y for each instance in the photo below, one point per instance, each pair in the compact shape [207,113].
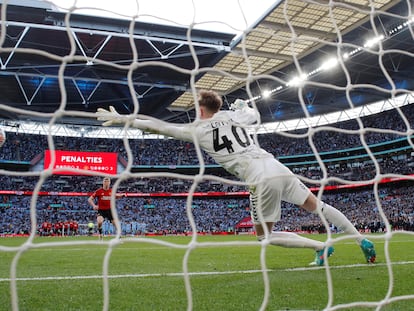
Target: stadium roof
[97,59]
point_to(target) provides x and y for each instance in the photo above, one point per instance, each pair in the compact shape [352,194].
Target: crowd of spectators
[339,136]
[216,214]
[168,215]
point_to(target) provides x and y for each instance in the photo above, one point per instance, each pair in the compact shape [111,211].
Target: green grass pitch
[149,276]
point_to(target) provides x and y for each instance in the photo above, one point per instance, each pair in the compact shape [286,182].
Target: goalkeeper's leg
[335,217]
[332,215]
[287,239]
[290,239]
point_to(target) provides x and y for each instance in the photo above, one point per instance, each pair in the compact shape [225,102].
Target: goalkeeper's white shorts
[270,182]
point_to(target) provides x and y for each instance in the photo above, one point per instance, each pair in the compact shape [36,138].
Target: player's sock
[335,217]
[289,239]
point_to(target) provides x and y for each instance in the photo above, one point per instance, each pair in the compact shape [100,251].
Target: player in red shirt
[100,200]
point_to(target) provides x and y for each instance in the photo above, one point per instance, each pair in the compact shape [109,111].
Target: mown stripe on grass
[180,274]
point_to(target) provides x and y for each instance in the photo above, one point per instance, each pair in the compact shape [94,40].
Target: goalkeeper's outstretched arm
[112,117]
[178,131]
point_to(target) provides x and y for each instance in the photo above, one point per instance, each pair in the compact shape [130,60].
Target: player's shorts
[270,182]
[106,214]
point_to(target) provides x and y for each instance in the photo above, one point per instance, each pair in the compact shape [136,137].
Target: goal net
[331,82]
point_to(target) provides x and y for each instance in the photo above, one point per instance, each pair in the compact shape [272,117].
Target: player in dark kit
[100,200]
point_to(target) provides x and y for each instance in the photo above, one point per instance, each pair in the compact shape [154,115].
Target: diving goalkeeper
[223,135]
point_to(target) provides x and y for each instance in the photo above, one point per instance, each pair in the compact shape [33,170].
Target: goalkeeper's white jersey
[226,139]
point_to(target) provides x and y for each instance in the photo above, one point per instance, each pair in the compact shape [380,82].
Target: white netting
[287,33]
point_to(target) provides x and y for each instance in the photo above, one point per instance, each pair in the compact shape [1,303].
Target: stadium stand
[343,157]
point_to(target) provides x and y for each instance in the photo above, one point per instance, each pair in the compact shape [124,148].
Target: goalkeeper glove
[239,104]
[110,116]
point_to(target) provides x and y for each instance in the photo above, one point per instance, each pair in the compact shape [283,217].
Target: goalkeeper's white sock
[335,217]
[289,239]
